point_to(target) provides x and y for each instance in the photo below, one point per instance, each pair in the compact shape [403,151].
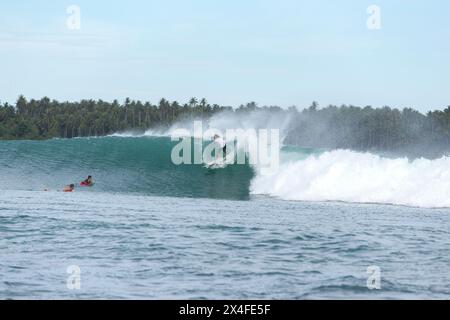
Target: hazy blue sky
[231,52]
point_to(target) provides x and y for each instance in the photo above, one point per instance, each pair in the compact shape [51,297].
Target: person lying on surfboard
[69,188]
[221,144]
[87,182]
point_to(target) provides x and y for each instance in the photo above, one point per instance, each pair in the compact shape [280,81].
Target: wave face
[343,175]
[142,165]
[118,164]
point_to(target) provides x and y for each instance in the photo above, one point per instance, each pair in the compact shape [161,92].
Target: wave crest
[343,175]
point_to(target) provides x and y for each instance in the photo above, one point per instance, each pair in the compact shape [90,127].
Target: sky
[285,52]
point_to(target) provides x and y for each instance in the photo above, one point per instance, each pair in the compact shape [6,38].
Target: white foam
[147,133]
[360,177]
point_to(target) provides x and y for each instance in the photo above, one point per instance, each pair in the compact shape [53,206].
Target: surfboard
[215,164]
[83,184]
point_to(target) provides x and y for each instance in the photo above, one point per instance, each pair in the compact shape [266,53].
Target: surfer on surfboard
[88,182]
[69,188]
[221,149]
[219,140]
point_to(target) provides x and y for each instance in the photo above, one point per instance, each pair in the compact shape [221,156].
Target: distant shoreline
[381,129]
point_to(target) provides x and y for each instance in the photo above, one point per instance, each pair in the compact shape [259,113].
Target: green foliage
[334,127]
[380,129]
[45,118]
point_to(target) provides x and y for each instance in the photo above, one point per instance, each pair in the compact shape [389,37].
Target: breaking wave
[343,175]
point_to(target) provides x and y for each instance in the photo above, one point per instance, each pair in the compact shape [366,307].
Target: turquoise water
[150,229]
[124,165]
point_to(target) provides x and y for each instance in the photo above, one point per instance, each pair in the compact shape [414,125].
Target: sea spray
[343,175]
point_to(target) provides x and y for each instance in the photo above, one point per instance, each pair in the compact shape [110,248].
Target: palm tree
[203,103]
[193,102]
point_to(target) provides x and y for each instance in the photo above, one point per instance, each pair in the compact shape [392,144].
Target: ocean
[317,227]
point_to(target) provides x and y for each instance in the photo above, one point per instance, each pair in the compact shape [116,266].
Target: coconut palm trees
[385,129]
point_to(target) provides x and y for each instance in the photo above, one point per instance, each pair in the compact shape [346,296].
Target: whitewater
[306,174]
[350,176]
[343,175]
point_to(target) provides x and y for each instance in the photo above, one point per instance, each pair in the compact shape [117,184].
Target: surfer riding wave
[219,140]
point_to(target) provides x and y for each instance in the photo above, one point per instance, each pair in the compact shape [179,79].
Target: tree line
[45,118]
[367,128]
[379,129]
